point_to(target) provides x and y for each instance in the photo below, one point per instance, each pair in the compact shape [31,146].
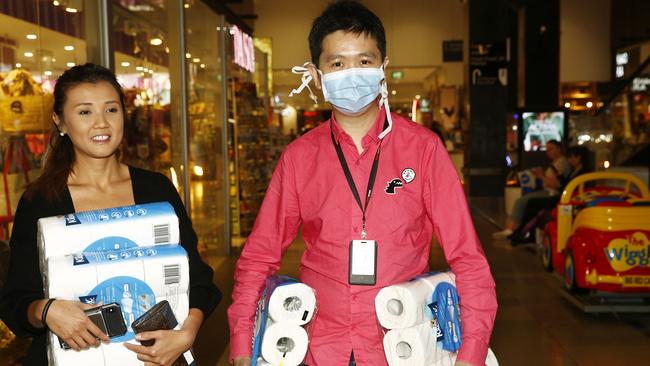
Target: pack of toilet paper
[286,305]
[423,318]
[107,229]
[136,278]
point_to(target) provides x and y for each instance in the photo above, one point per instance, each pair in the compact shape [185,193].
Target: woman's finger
[71,342]
[146,359]
[140,350]
[81,343]
[94,329]
[90,338]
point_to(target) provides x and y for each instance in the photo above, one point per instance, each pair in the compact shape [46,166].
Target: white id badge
[363,262]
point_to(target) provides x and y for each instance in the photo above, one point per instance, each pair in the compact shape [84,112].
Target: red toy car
[599,238]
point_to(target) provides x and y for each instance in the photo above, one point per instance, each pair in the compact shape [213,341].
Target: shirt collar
[374,132]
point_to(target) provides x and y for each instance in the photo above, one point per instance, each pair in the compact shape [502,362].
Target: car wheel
[547,252]
[569,273]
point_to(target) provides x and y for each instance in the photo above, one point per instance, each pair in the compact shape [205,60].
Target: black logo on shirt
[395,183]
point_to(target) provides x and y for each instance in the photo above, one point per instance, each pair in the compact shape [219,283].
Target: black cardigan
[24,284]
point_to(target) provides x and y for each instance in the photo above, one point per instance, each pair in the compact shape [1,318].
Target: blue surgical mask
[352,91]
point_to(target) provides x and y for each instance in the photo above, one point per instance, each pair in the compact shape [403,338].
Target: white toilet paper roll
[284,343]
[406,304]
[292,303]
[415,346]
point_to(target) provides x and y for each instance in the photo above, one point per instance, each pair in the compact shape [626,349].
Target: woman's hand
[67,320]
[168,346]
[242,361]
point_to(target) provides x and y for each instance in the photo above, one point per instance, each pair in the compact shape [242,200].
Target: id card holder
[363,263]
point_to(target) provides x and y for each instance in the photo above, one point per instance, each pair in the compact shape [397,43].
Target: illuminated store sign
[640,84]
[244,49]
[621,60]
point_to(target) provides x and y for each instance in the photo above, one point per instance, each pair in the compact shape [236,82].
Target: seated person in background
[538,209]
[558,171]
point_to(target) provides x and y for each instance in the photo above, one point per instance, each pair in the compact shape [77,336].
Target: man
[416,190]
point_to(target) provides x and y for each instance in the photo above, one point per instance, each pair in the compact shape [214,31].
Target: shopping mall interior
[207,86]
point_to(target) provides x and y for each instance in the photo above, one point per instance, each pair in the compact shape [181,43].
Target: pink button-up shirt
[309,188]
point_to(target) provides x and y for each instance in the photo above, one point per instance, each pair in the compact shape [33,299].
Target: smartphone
[108,318]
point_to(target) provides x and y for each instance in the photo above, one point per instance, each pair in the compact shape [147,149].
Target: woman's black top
[24,284]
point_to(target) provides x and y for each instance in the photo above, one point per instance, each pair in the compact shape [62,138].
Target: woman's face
[93,119]
[574,160]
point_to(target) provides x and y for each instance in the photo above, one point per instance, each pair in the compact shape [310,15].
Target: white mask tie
[306,79]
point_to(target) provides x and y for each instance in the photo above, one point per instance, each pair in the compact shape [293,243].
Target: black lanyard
[353,187]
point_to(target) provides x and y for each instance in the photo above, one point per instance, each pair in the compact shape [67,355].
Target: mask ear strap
[306,78]
[384,100]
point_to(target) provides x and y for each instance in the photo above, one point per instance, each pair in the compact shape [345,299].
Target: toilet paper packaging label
[136,278]
[107,229]
[446,315]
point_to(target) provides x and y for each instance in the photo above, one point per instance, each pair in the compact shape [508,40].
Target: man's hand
[462,363]
[242,361]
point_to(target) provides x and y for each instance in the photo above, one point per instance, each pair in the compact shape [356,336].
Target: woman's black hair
[60,155]
[348,16]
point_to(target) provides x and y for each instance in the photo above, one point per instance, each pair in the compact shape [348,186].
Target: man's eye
[337,64]
[84,112]
[366,62]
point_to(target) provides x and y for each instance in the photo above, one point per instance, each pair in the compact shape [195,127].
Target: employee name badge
[363,262]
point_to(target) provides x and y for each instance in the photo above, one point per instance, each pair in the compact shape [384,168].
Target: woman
[82,172]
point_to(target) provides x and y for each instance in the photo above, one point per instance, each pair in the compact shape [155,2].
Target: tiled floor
[535,325]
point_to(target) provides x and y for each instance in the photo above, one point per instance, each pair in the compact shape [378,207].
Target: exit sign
[397,75]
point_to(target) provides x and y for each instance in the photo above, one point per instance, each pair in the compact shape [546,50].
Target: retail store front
[197,92]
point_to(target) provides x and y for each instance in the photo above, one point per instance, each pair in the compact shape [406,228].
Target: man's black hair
[348,16]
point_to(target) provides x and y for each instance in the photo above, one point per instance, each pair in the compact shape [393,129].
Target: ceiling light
[186,6]
[394,92]
[28,54]
[166,49]
[196,60]
[139,68]
[53,59]
[145,69]
[203,66]
[68,48]
[55,3]
[71,10]
[70,64]
[567,105]
[188,55]
[31,36]
[155,41]
[19,65]
[151,72]
[47,73]
[125,63]
[590,104]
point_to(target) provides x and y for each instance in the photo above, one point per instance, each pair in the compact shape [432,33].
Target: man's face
[552,151]
[343,50]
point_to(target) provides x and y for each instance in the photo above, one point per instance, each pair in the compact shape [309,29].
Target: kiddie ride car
[598,239]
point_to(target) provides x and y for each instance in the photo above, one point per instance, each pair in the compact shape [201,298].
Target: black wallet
[159,317]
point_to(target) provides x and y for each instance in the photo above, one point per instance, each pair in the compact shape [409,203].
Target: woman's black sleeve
[204,295]
[24,284]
